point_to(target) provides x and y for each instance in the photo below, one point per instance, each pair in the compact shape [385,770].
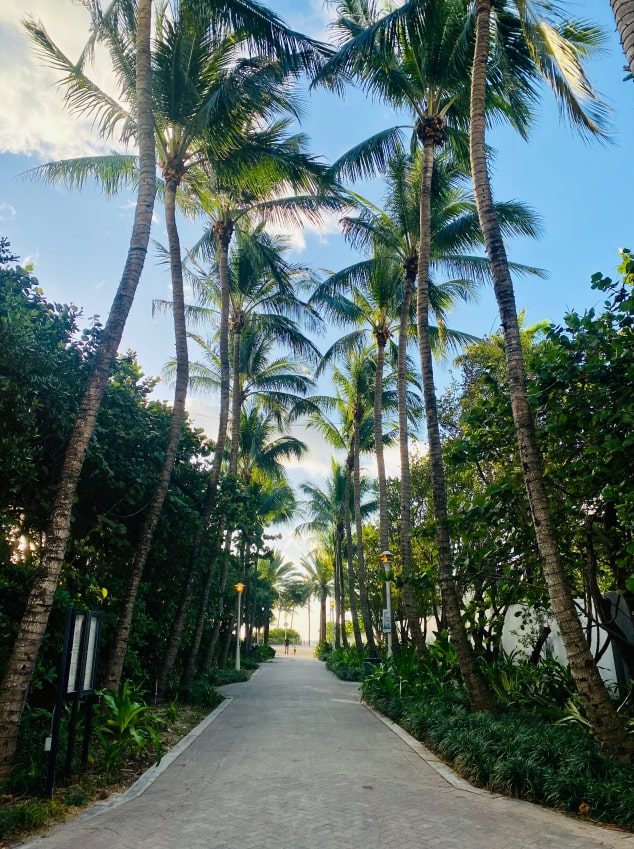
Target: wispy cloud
[34,120]
[7,212]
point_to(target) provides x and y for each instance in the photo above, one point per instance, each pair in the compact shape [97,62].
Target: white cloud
[34,120]
[328,225]
[7,212]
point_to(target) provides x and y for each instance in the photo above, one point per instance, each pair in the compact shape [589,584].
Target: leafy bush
[202,692]
[544,688]
[516,753]
[520,752]
[277,636]
[323,650]
[347,663]
[125,727]
[228,676]
[264,653]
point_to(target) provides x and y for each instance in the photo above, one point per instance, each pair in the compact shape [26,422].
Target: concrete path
[294,761]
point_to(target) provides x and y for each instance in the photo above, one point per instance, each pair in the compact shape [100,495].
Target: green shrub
[543,688]
[347,663]
[277,636]
[125,726]
[24,816]
[516,753]
[202,692]
[264,653]
[228,676]
[323,650]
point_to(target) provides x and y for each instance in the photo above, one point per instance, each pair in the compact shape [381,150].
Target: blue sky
[78,241]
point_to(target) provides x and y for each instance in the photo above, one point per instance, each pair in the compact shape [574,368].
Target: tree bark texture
[21,664]
[624,17]
[479,693]
[597,704]
[124,625]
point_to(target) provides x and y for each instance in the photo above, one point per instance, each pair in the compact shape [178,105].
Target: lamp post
[239,589]
[386,558]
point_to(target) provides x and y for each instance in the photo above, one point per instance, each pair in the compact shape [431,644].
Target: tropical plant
[317,565]
[544,46]
[124,726]
[21,665]
[624,17]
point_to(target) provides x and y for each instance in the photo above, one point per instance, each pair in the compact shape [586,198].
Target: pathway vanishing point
[294,761]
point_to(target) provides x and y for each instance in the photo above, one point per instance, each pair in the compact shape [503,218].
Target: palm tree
[326,507]
[263,451]
[263,303]
[414,56]
[551,49]
[624,16]
[22,661]
[276,572]
[318,567]
[204,90]
[381,283]
[190,80]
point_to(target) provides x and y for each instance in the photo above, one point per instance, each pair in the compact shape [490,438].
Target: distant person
[287,643]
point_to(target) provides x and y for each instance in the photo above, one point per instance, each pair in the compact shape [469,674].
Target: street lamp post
[239,589]
[386,558]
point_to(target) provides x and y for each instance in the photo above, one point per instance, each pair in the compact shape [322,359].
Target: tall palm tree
[22,661]
[326,509]
[206,84]
[263,302]
[415,57]
[276,571]
[267,176]
[318,567]
[263,451]
[549,48]
[624,16]
[195,70]
[355,385]
[381,283]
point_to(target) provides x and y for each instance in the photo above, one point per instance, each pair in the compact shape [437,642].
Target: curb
[143,782]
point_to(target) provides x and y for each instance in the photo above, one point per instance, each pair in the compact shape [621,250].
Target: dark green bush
[202,692]
[125,727]
[347,663]
[264,653]
[524,751]
[323,650]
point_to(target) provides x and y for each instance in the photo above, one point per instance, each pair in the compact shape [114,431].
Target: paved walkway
[294,761]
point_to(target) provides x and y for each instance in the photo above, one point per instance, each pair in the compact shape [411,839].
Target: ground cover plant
[537,747]
[130,733]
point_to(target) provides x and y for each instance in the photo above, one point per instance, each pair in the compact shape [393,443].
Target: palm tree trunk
[117,657]
[223,236]
[338,586]
[190,668]
[222,583]
[356,495]
[624,16]
[403,437]
[480,696]
[21,664]
[409,603]
[322,616]
[351,578]
[384,536]
[237,326]
[597,704]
